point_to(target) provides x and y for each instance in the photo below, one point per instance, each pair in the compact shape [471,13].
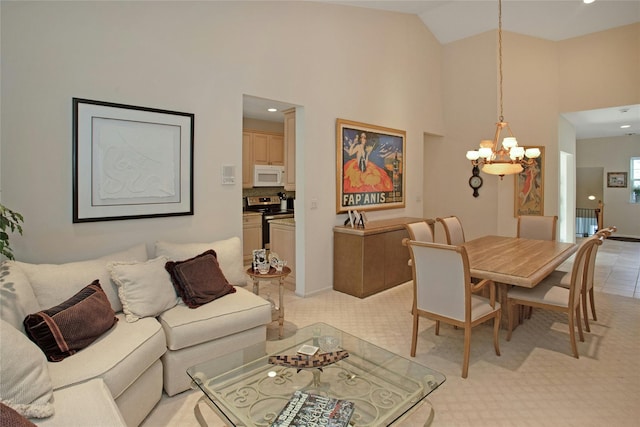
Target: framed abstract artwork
[529,188]
[130,162]
[370,171]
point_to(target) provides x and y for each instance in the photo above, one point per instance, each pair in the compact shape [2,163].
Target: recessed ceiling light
[272,110]
[625,126]
[588,1]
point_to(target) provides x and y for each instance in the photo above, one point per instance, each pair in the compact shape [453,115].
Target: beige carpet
[535,382]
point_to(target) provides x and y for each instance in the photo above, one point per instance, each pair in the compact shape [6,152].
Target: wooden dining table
[516,261]
[513,261]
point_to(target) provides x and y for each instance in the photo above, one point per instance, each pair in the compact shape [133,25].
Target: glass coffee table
[384,386]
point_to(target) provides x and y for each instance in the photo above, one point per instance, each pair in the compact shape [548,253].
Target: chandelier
[507,158]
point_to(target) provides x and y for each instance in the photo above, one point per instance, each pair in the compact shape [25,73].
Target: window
[635,180]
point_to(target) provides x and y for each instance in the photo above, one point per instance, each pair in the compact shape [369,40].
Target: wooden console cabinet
[373,259]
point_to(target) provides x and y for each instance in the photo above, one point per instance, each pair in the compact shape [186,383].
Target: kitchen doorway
[270,117]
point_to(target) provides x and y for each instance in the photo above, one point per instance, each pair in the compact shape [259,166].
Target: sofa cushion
[16,297]
[199,280]
[235,312]
[67,328]
[119,357]
[144,288]
[25,386]
[87,404]
[228,253]
[54,283]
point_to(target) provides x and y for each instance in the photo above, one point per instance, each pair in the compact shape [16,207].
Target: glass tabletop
[383,385]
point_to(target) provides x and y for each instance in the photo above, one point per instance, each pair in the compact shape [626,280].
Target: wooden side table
[277,313]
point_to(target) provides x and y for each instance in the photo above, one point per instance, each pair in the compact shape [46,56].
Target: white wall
[201,57]
[614,154]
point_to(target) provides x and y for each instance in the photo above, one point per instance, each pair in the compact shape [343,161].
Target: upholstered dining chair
[537,227]
[587,288]
[452,230]
[443,292]
[420,231]
[549,295]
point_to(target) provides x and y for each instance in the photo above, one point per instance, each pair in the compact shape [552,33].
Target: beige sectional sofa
[118,379]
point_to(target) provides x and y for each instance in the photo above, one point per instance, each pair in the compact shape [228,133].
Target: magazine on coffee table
[306,409]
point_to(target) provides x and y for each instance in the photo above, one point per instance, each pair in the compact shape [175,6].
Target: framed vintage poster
[529,188]
[130,162]
[370,171]
[617,179]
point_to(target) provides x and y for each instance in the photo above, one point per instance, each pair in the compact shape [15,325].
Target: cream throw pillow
[55,283]
[26,385]
[228,254]
[145,288]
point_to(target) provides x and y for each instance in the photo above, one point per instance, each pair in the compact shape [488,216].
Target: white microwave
[268,176]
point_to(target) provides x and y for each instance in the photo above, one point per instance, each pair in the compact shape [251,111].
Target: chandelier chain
[500,54]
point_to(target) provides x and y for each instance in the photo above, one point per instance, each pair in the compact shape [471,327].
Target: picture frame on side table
[529,188]
[370,167]
[617,179]
[130,162]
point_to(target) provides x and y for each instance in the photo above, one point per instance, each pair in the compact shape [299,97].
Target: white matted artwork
[131,162]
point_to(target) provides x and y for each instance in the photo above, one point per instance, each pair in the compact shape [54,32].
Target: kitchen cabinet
[268,149]
[251,235]
[370,260]
[290,149]
[283,242]
[260,148]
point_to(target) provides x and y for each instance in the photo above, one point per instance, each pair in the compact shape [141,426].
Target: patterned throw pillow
[199,280]
[69,327]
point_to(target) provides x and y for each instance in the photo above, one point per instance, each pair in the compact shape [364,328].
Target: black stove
[270,208]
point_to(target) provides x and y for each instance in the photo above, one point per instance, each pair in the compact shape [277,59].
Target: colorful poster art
[529,188]
[370,171]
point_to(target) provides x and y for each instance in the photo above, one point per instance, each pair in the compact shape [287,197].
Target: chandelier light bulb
[509,142]
[532,153]
[473,155]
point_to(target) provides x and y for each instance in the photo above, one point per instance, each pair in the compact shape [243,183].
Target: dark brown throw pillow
[11,418]
[69,327]
[199,280]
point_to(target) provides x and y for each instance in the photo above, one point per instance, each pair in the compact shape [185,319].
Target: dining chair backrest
[442,280]
[452,230]
[580,269]
[537,227]
[591,264]
[420,231]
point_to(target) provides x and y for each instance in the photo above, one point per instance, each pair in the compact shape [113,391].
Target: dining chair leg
[584,309]
[593,305]
[467,349]
[572,334]
[578,315]
[496,332]
[437,327]
[414,335]
[510,320]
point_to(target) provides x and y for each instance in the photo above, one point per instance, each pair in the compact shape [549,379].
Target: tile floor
[535,381]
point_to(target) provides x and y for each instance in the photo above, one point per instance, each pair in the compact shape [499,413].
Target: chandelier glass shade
[507,158]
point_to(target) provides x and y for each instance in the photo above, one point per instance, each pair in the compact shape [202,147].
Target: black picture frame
[131,162]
